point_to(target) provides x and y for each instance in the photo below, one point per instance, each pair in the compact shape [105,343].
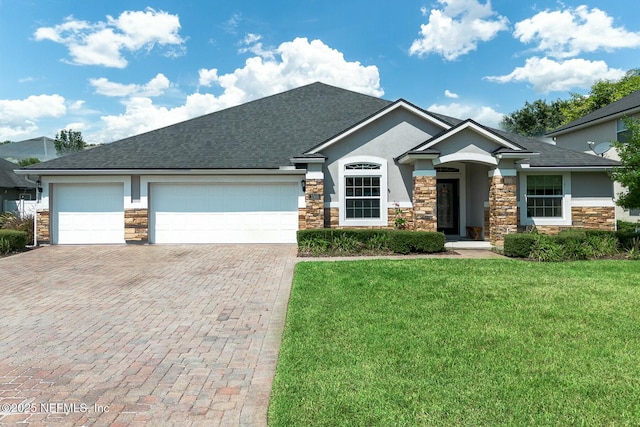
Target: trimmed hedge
[625,238]
[519,245]
[326,241]
[573,244]
[17,240]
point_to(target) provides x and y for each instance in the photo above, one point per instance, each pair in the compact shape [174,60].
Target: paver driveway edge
[254,411]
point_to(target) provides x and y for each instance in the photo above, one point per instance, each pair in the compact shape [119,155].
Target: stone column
[503,208]
[314,203]
[136,225]
[42,227]
[424,201]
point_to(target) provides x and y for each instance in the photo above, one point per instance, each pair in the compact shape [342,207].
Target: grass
[460,342]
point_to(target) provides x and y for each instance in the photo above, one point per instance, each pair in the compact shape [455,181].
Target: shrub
[10,221]
[627,226]
[358,241]
[547,249]
[519,245]
[15,240]
[574,244]
[625,239]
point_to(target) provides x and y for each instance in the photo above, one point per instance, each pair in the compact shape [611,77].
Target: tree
[28,161]
[539,117]
[534,119]
[629,173]
[69,141]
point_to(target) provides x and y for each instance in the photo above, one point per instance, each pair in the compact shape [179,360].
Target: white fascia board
[516,155]
[307,160]
[78,172]
[529,168]
[475,128]
[409,158]
[392,107]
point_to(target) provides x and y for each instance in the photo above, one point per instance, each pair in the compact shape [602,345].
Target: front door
[448,204]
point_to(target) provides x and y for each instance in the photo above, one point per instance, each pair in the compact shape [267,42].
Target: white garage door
[88,213]
[224,213]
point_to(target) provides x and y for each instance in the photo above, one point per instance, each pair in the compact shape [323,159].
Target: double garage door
[179,213]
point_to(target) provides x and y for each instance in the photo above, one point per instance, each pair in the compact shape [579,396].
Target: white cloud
[450,94]
[155,87]
[484,115]
[547,75]
[207,77]
[103,43]
[570,32]
[18,116]
[457,29]
[290,65]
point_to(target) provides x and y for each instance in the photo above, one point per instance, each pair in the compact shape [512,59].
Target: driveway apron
[142,335]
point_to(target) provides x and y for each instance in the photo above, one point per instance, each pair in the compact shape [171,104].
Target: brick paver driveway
[141,335]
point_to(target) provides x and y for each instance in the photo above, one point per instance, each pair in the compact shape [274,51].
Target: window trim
[380,172]
[564,220]
[621,128]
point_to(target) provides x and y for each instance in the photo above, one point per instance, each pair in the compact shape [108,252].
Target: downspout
[38,184]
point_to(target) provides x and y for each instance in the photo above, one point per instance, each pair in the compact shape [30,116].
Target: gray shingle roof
[42,148]
[620,107]
[548,155]
[264,133]
[9,179]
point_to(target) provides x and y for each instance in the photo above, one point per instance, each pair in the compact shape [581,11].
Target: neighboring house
[13,188]
[312,157]
[41,148]
[596,130]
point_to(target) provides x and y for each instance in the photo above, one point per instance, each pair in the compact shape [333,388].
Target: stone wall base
[136,225]
[601,218]
[43,227]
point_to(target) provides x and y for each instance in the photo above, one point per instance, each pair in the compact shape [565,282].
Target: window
[363,191]
[362,197]
[544,196]
[622,133]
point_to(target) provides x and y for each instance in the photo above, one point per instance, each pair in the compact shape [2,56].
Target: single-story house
[594,132]
[13,188]
[317,156]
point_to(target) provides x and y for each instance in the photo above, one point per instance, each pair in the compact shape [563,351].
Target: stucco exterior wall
[390,136]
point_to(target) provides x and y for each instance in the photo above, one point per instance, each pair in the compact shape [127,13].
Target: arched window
[363,191]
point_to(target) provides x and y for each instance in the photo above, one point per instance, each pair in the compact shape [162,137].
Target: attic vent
[446,169]
[368,166]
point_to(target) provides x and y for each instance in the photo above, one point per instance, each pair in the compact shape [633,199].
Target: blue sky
[115,68]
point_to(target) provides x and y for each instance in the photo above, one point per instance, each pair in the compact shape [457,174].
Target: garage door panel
[88,213]
[224,213]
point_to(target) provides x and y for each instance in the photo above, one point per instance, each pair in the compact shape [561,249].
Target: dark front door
[448,206]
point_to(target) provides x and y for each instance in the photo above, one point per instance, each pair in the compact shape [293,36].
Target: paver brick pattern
[141,335]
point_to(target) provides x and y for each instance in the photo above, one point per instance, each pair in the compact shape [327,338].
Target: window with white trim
[622,133]
[363,191]
[544,196]
[362,196]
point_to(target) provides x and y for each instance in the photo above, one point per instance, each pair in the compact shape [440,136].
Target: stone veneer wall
[302,218]
[136,225]
[503,215]
[602,218]
[314,203]
[424,203]
[42,227]
[407,215]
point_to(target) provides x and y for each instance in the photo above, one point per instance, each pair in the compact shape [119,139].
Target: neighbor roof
[41,148]
[9,179]
[628,105]
[261,134]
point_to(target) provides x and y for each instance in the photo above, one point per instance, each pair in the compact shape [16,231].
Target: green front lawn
[460,342]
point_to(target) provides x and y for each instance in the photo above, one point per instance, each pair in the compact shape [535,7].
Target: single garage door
[88,213]
[224,213]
